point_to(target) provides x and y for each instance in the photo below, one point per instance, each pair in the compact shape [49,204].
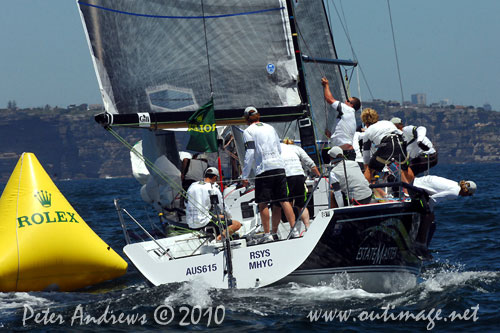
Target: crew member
[263,153]
[389,146]
[198,209]
[439,189]
[422,154]
[356,184]
[345,121]
[192,169]
[296,160]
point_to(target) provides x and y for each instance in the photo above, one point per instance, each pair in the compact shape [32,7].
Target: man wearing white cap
[263,153]
[440,188]
[356,183]
[198,214]
[420,150]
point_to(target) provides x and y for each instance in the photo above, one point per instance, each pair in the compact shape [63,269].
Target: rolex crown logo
[44,198]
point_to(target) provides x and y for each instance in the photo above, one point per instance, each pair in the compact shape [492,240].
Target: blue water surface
[463,276]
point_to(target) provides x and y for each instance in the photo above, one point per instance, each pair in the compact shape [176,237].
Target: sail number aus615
[201,269]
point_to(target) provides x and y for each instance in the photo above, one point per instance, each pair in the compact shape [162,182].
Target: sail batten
[179,17]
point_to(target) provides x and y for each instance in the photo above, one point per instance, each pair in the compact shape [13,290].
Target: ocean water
[459,290]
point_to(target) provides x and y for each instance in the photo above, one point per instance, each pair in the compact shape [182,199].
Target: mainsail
[168,58]
[158,62]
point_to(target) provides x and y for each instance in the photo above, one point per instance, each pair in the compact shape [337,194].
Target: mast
[306,130]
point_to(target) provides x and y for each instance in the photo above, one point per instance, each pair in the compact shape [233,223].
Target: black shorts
[296,190]
[213,225]
[362,201]
[350,154]
[186,183]
[423,162]
[270,186]
[391,147]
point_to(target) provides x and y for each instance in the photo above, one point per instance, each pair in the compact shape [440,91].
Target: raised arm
[326,91]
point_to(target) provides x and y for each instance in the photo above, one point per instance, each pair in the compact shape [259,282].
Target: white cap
[335,151]
[211,172]
[396,120]
[471,186]
[250,110]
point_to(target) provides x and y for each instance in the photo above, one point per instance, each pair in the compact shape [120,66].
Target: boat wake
[449,277]
[12,302]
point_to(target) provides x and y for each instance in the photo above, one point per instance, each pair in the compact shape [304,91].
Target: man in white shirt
[198,208]
[389,144]
[345,121]
[356,184]
[422,154]
[296,160]
[192,170]
[439,189]
[263,153]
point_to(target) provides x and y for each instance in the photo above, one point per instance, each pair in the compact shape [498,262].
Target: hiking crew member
[422,154]
[439,189]
[345,121]
[389,145]
[263,154]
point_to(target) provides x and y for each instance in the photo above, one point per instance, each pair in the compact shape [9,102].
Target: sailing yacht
[160,62]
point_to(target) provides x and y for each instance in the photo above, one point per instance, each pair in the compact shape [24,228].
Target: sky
[447,49]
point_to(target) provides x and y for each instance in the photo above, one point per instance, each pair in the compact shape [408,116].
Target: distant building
[419,99]
[444,102]
[487,107]
[95,107]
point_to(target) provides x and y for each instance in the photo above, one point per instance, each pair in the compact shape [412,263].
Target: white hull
[253,266]
[379,261]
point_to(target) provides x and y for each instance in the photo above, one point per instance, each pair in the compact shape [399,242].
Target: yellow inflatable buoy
[44,243]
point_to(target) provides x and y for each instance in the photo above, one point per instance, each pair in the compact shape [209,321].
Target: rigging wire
[160,173]
[165,177]
[322,73]
[357,68]
[396,53]
[352,49]
[206,49]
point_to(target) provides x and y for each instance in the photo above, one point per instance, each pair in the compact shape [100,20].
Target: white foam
[16,300]
[442,279]
[194,293]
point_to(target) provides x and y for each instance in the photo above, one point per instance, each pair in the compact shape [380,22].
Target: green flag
[201,127]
